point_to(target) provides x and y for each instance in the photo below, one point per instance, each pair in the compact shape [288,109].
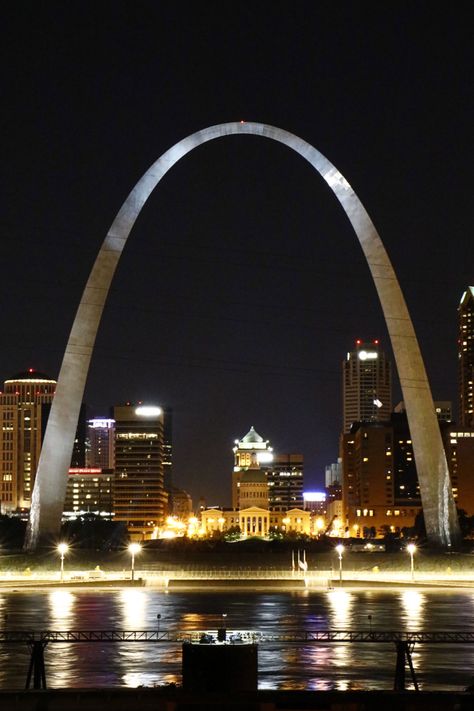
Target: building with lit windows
[255,521]
[285,482]
[22,417]
[249,452]
[459,446]
[283,472]
[168,449]
[367,385]
[89,490]
[139,498]
[380,483]
[466,359]
[267,492]
[100,443]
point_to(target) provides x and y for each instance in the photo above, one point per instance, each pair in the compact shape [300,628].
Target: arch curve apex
[51,476]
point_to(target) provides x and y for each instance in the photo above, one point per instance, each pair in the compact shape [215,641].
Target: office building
[367,385]
[22,416]
[168,449]
[459,446]
[90,490]
[466,359]
[380,483]
[285,482]
[140,498]
[100,443]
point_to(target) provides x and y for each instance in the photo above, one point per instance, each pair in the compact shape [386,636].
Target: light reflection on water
[281,666]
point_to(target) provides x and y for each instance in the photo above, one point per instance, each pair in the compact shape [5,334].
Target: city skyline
[241,309]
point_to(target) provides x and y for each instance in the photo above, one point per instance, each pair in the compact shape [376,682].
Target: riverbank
[250,584]
[196,565]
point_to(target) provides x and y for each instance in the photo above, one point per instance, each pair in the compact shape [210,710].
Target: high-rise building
[140,497]
[459,446]
[285,482]
[380,484]
[89,490]
[466,359]
[367,385]
[22,418]
[168,449]
[101,443]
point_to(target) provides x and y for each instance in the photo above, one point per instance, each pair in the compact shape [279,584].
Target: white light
[378,403]
[314,496]
[264,457]
[148,411]
[102,424]
[368,355]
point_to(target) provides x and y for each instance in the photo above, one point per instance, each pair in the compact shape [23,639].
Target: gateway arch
[51,476]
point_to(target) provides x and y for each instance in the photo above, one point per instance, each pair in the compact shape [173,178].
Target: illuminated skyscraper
[139,498]
[101,443]
[22,416]
[466,359]
[367,385]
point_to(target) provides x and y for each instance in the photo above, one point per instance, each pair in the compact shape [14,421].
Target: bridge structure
[404,642]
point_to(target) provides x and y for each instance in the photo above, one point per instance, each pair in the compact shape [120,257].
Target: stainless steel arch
[51,476]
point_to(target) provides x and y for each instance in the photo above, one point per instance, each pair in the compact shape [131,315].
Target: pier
[404,642]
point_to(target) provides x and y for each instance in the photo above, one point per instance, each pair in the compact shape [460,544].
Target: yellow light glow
[134,548]
[62,548]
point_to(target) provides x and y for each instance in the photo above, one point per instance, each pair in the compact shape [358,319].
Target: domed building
[253,477]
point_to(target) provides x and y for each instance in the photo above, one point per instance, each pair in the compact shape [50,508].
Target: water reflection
[413,604]
[62,659]
[281,666]
[341,605]
[134,603]
[61,604]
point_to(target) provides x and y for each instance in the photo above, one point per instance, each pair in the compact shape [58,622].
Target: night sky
[242,286]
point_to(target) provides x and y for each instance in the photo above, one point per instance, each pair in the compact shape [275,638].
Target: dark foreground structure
[173,699]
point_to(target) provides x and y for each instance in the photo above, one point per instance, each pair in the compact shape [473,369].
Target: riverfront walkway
[273,577]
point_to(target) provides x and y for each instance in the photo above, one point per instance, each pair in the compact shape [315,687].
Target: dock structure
[404,642]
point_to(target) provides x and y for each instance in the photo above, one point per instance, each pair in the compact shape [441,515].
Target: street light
[134,549]
[411,548]
[340,551]
[62,550]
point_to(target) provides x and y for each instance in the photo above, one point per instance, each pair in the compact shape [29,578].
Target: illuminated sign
[314,496]
[102,424]
[368,355]
[148,411]
[85,470]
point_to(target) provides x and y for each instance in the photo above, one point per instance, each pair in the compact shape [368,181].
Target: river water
[309,666]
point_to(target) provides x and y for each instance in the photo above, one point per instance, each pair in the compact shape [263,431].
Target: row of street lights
[411,549]
[135,548]
[62,548]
